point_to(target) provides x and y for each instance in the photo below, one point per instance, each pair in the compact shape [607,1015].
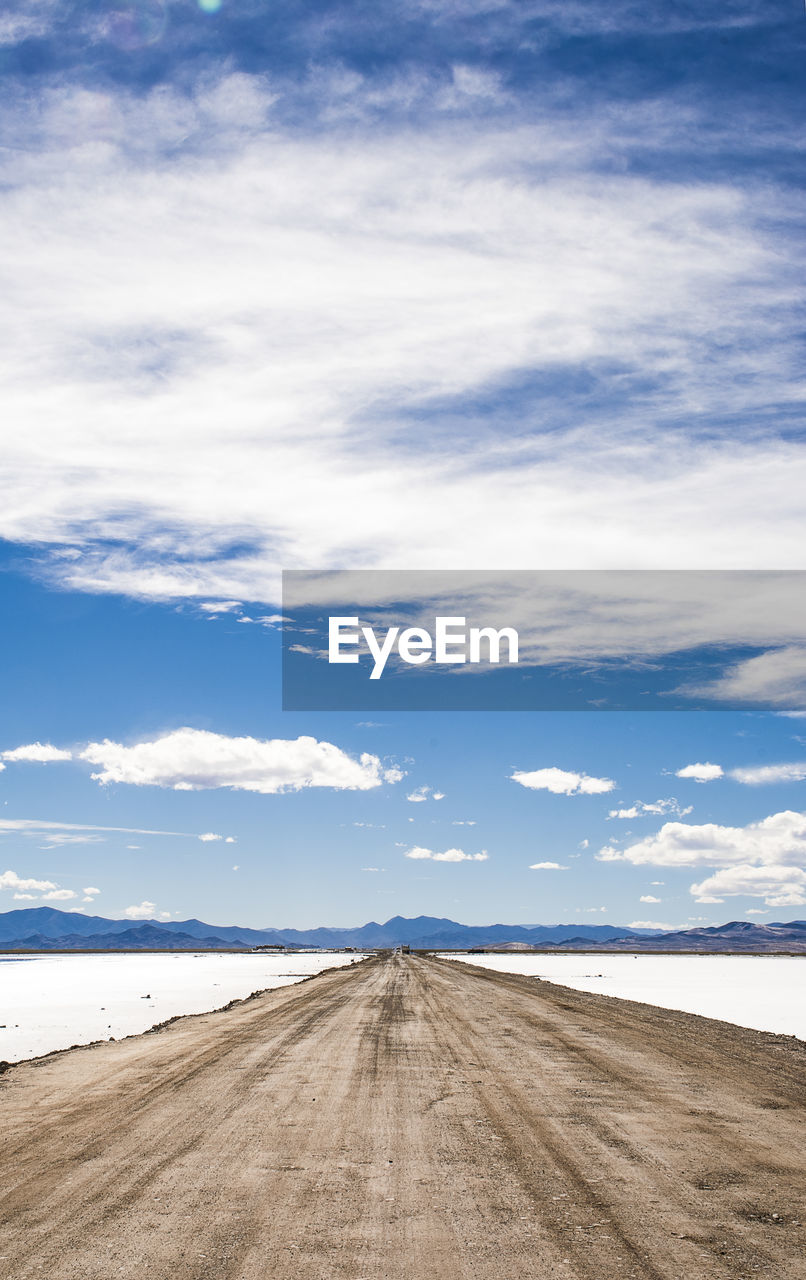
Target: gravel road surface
[411,1119]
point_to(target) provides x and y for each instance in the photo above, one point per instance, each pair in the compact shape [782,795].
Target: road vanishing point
[411,1118]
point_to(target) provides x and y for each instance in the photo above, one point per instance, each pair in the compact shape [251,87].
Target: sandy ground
[411,1118]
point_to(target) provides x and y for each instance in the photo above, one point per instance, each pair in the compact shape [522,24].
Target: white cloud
[653,924]
[777,839]
[647,897]
[776,678]
[547,866]
[220,606]
[55,839]
[407,267]
[449,855]
[419,795]
[758,775]
[424,793]
[583,844]
[90,891]
[37,827]
[230,840]
[144,911]
[464,822]
[10,880]
[640,809]
[25,897]
[779,886]
[701,772]
[208,837]
[38,752]
[14,28]
[562,782]
[195,759]
[59,895]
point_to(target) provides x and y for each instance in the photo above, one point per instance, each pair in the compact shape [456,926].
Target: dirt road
[411,1118]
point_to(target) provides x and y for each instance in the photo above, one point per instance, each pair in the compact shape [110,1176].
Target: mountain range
[48,929]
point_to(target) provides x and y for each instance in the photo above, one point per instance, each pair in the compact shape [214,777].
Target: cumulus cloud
[10,880]
[448,855]
[196,759]
[777,839]
[424,793]
[209,837]
[547,866]
[779,886]
[37,752]
[562,782]
[648,897]
[758,775]
[640,809]
[653,924]
[59,895]
[701,772]
[144,911]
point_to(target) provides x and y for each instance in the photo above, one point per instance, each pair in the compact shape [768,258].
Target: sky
[448,284]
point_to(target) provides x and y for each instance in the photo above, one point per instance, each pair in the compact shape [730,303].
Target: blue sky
[318,840]
[450,284]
